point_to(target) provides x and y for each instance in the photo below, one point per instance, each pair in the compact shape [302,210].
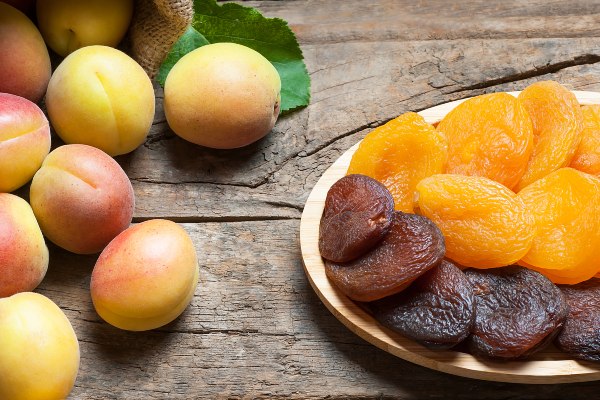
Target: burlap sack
[156,26]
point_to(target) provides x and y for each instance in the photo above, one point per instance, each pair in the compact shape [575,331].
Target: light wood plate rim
[550,366]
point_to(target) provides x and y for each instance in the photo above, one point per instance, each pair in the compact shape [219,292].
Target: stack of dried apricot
[507,179]
[501,180]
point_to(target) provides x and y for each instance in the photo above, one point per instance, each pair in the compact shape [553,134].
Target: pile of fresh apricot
[101,103]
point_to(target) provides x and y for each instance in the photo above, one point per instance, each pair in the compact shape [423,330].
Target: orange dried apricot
[484,223]
[399,154]
[565,205]
[587,156]
[559,277]
[557,125]
[489,135]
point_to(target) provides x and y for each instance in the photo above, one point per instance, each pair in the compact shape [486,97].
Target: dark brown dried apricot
[413,245]
[357,215]
[517,312]
[437,310]
[580,336]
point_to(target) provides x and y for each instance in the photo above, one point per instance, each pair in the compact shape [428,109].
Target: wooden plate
[550,366]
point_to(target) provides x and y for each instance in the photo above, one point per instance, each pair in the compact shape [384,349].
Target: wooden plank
[255,329]
[316,21]
[189,202]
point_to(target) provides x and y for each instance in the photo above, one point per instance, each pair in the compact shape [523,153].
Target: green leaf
[271,37]
[190,40]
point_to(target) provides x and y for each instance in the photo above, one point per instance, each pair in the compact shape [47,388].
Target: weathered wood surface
[255,327]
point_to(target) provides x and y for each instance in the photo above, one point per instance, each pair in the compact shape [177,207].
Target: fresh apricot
[489,135]
[146,276]
[81,198]
[25,67]
[24,141]
[557,126]
[399,154]
[484,223]
[587,156]
[565,206]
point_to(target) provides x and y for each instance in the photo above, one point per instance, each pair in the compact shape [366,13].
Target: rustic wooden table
[255,328]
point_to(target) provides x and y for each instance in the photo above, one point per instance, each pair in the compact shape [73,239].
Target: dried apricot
[489,135]
[484,223]
[587,156]
[399,154]
[517,312]
[413,245]
[436,310]
[357,214]
[557,125]
[565,206]
[570,276]
[580,335]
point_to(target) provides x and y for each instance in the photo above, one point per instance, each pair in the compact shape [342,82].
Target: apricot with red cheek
[23,252]
[81,198]
[145,277]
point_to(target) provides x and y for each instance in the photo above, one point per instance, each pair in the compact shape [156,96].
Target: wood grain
[316,21]
[549,366]
[256,329]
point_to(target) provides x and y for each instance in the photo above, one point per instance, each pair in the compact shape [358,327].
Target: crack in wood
[236,332]
[165,135]
[282,204]
[198,219]
[303,154]
[584,59]
[199,182]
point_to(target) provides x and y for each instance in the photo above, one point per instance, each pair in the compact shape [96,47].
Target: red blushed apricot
[146,276]
[23,252]
[81,198]
[24,141]
[25,66]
